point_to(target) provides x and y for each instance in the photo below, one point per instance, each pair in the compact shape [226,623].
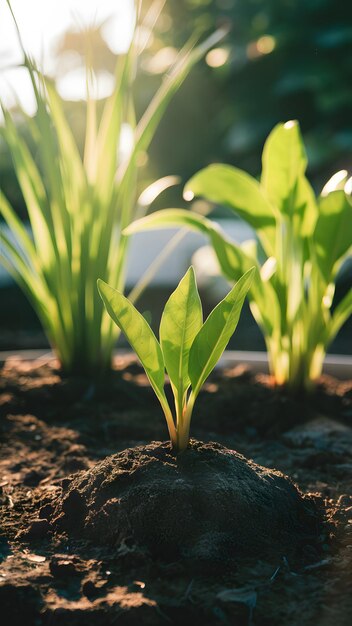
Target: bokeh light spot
[217,57]
[263,45]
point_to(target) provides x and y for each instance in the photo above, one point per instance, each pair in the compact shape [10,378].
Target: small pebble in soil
[37,529]
[64,565]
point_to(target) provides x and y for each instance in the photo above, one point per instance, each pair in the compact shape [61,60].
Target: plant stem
[184,426]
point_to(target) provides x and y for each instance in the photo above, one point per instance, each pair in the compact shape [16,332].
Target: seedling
[188,349]
[303,242]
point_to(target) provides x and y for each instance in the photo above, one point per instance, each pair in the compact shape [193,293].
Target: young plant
[78,205]
[302,244]
[189,349]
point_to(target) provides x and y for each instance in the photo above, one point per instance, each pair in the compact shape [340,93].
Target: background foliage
[225,113]
[285,60]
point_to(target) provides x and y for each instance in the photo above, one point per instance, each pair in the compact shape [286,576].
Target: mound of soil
[208,503]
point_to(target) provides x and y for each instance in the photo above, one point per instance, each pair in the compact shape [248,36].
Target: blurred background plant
[282,60]
[301,244]
[79,201]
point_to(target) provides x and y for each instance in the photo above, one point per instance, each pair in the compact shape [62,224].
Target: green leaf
[263,298]
[333,232]
[32,189]
[284,162]
[108,134]
[340,316]
[74,177]
[306,210]
[77,205]
[20,267]
[138,333]
[181,320]
[216,331]
[18,230]
[232,259]
[143,342]
[233,188]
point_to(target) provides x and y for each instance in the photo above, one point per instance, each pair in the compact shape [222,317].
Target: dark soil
[287,559]
[208,504]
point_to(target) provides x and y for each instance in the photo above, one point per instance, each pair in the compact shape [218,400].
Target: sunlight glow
[290,124]
[72,86]
[348,186]
[161,61]
[334,182]
[42,25]
[188,195]
[263,45]
[268,269]
[155,189]
[126,142]
[217,57]
[266,44]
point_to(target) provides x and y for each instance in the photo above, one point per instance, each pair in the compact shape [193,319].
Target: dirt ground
[52,427]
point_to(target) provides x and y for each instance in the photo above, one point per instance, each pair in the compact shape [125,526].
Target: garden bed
[52,428]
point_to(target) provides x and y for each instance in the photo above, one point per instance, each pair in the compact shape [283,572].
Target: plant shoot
[188,349]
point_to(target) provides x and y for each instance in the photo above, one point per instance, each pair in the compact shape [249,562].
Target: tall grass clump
[79,204]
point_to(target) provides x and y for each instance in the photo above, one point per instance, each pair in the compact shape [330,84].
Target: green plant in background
[302,243]
[282,60]
[188,349]
[79,205]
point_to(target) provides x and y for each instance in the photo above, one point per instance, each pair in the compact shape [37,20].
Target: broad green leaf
[232,259]
[333,232]
[216,331]
[284,162]
[262,296]
[305,211]
[181,320]
[138,333]
[233,188]
[340,316]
